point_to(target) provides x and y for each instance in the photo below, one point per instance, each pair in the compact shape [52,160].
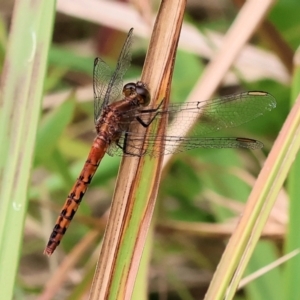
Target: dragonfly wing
[107,84]
[101,78]
[234,110]
[174,144]
[116,81]
[114,149]
[130,148]
[215,114]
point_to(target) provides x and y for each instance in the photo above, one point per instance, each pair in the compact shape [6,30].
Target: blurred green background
[205,188]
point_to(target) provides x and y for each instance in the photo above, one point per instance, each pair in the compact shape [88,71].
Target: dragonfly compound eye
[142,94]
[129,89]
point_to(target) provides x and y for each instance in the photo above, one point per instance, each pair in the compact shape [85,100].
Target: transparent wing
[102,75]
[107,84]
[224,112]
[175,144]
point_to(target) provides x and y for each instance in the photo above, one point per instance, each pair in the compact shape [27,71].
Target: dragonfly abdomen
[74,198]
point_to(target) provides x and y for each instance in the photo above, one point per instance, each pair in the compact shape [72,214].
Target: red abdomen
[73,200]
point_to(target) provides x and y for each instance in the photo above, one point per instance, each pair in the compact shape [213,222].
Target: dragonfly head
[138,92]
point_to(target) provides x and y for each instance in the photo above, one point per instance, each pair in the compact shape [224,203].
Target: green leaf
[51,128]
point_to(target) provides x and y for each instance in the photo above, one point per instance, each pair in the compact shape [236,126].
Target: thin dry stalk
[138,180]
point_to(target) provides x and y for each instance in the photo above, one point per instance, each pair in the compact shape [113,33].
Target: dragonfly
[115,118]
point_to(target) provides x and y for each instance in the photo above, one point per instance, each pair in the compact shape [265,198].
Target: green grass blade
[22,87]
[138,179]
[259,205]
[293,237]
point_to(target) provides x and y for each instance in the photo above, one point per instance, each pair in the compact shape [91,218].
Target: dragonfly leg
[146,124]
[124,147]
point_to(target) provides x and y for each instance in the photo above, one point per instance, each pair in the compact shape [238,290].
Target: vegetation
[202,192]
